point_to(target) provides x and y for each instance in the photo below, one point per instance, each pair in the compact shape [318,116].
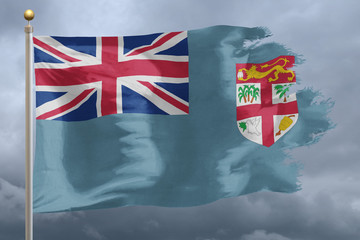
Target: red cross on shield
[265,109]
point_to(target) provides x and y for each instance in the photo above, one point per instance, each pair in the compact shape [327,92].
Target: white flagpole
[29,141]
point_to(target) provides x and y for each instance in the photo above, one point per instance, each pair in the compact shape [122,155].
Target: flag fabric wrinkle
[152,120]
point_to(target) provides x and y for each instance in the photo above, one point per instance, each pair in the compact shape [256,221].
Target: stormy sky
[325,32]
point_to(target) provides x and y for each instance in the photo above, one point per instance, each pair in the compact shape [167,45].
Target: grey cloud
[151,225]
[263,235]
[325,32]
[12,113]
[12,210]
[92,233]
[58,217]
[201,238]
[11,202]
[286,216]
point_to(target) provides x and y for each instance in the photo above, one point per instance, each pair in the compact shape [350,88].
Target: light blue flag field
[168,119]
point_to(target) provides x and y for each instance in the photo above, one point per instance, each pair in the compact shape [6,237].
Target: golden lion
[254,73]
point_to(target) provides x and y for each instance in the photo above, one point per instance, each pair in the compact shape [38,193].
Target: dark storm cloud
[286,216]
[12,222]
[328,40]
[263,235]
[325,32]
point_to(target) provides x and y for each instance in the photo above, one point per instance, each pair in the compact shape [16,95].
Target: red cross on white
[267,109]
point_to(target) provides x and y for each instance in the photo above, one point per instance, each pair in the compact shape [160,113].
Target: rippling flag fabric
[80,78]
[152,120]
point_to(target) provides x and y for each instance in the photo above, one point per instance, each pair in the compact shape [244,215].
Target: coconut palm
[247,92]
[254,92]
[241,94]
[250,92]
[282,89]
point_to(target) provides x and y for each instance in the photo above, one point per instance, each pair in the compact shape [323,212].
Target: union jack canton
[80,78]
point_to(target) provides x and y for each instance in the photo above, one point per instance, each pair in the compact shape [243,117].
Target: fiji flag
[80,78]
[155,119]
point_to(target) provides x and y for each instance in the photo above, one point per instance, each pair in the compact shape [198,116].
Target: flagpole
[29,141]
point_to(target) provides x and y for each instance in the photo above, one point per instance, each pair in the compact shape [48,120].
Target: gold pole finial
[29,15]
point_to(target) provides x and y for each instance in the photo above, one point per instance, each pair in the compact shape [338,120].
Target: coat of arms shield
[265,110]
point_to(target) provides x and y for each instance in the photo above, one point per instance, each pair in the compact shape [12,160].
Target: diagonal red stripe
[67,106]
[54,51]
[156,44]
[166,97]
[110,69]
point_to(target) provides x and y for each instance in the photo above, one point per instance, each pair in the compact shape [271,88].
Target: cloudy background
[326,32]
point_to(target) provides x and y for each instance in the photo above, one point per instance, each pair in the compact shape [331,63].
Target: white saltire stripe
[151,96]
[150,54]
[155,79]
[71,93]
[86,59]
